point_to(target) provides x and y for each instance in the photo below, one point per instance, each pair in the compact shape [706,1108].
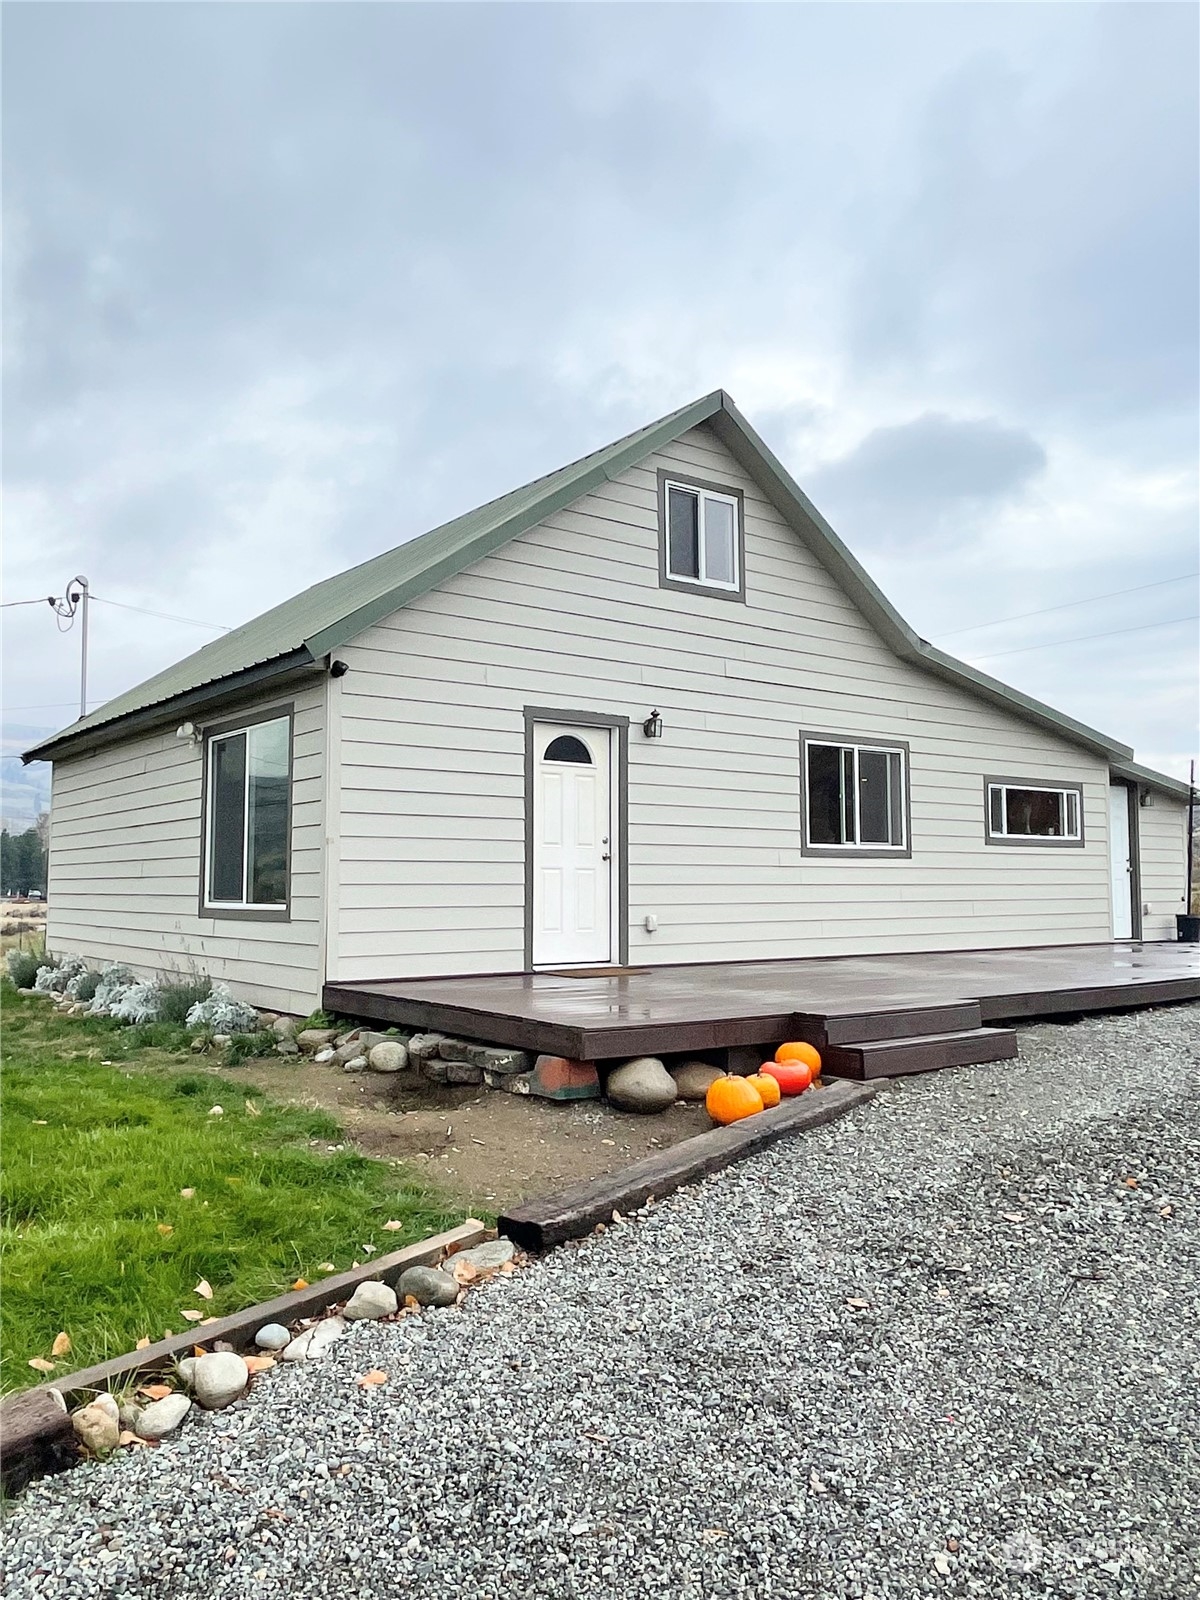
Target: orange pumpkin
[730,1099]
[768,1089]
[799,1051]
[793,1077]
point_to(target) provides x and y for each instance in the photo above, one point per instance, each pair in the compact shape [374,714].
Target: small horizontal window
[855,796]
[248,808]
[1034,811]
[701,536]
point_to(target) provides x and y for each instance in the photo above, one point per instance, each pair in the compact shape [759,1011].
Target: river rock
[693,1078]
[314,1039]
[219,1379]
[314,1342]
[274,1336]
[357,1063]
[162,1416]
[284,1027]
[186,1370]
[370,1300]
[388,1056]
[97,1428]
[129,1414]
[108,1403]
[642,1085]
[428,1286]
[487,1257]
[287,1047]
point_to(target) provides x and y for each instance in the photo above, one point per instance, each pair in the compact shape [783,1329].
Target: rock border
[551,1219]
[35,1426]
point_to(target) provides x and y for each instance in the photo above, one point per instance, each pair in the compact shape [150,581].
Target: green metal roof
[302,630]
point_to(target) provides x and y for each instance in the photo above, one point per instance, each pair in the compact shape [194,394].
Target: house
[647,709]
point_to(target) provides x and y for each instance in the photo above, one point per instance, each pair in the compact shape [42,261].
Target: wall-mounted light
[188,731]
[652,727]
[338,669]
[1146,798]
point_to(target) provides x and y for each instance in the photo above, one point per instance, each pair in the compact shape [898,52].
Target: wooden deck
[848,1001]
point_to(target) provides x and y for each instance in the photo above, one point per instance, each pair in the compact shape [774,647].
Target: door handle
[606,856]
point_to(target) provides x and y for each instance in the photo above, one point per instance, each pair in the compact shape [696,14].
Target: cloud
[928,481]
[287,285]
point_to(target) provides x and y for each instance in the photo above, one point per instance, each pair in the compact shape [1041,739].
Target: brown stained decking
[706,1007]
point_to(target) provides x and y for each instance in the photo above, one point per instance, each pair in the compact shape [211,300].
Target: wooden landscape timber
[549,1220]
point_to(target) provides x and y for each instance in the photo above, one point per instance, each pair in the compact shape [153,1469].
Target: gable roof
[299,632]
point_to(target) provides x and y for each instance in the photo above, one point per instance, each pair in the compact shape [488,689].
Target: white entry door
[1120,861]
[573,846]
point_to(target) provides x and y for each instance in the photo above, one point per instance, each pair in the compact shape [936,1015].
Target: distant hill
[24,791]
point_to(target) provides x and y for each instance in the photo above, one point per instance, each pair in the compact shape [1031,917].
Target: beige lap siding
[125,866]
[1162,835]
[571,616]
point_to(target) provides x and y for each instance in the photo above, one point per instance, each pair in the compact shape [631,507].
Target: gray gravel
[688,1405]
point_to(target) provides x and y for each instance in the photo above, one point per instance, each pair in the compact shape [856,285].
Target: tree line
[23,861]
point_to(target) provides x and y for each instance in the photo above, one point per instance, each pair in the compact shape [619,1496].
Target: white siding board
[1162,836]
[125,867]
[571,615]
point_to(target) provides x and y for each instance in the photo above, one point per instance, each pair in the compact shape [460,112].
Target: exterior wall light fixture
[653,726]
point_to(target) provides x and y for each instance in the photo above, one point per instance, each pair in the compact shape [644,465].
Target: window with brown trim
[248,816]
[1033,813]
[855,799]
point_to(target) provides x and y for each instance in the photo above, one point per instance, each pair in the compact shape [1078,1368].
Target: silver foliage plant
[114,981]
[138,1003]
[54,979]
[221,1012]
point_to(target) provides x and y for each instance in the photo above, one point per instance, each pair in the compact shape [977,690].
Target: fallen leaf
[156,1391]
[165,1229]
[326,1266]
[40,1122]
[369,1249]
[372,1379]
[1166,1211]
[204,1321]
[393,1226]
[1131,1183]
[168,1333]
[40,1364]
[259,1363]
[216,1111]
[1013,1216]
[463,1272]
[61,1345]
[192,1316]
[252,1110]
[616,1216]
[199,1350]
[125,1437]
[300,1283]
[203,1289]
[859,1304]
[187,1194]
[143,1343]
[411,1303]
[507,1267]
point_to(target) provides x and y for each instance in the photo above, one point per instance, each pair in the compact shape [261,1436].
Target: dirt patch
[488,1147]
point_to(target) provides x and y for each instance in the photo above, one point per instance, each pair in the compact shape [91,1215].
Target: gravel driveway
[946,1346]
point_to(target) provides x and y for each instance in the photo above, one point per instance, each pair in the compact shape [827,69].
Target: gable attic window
[701,537]
[1033,813]
[247,818]
[855,797]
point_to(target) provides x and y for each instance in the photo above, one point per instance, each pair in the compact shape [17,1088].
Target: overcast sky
[287,284]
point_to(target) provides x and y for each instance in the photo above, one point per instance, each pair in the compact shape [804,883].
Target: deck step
[888,1022]
[888,1058]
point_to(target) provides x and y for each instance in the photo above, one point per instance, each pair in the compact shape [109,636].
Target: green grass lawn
[102,1129]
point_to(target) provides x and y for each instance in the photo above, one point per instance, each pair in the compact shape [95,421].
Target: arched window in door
[568,748]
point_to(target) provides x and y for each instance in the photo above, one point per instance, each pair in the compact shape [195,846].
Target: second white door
[1120,861]
[573,843]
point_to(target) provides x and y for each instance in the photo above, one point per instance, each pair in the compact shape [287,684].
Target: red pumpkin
[793,1077]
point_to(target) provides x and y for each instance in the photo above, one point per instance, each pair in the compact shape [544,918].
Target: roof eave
[1147,778]
[280,672]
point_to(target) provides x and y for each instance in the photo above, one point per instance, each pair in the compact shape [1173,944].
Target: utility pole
[76,599]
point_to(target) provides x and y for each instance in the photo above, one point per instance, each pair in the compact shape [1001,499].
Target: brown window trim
[1040,841]
[685,585]
[853,852]
[215,730]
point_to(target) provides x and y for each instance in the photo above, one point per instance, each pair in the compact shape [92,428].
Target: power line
[42,600]
[165,616]
[1082,638]
[1068,604]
